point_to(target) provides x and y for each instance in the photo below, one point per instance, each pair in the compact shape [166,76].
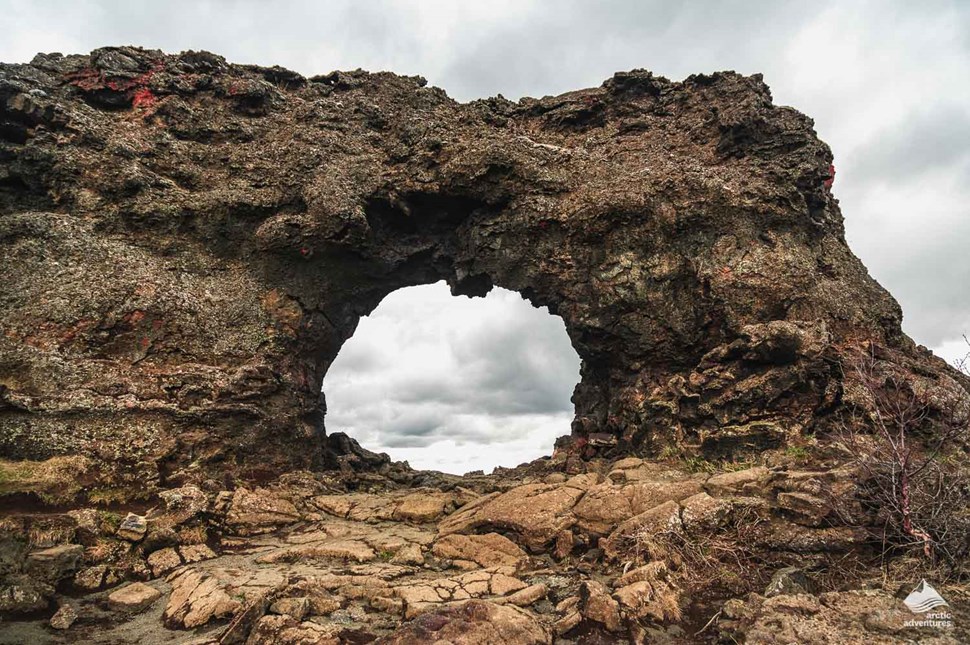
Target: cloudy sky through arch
[885,81]
[455,383]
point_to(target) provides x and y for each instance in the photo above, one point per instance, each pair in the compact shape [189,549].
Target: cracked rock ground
[529,555]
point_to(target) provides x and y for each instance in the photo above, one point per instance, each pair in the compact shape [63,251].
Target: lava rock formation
[187,243]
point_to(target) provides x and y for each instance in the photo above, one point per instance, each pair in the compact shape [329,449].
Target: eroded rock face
[187,244]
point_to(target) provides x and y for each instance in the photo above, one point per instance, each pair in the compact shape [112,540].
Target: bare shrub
[963,364]
[657,594]
[726,554]
[910,451]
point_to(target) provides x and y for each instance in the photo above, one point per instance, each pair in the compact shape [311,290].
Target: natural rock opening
[180,273]
[452,383]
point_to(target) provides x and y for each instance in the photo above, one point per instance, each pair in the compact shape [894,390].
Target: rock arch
[188,243]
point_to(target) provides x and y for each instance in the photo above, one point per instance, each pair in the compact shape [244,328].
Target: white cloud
[454,383]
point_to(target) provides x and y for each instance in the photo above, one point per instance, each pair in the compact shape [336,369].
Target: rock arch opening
[453,383]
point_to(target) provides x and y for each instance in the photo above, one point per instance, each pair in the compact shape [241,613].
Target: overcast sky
[886,82]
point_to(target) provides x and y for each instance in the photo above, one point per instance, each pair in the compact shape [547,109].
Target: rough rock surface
[64,617]
[187,243]
[133,598]
[473,623]
[362,572]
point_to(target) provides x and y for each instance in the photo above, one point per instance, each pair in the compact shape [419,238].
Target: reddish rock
[488,550]
[259,511]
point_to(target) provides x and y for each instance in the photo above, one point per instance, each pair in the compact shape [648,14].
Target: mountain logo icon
[924,598]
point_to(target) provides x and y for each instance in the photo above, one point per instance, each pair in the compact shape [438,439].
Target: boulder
[639,528]
[535,512]
[596,604]
[474,622]
[488,550]
[91,578]
[133,598]
[196,598]
[64,617]
[527,596]
[648,592]
[298,608]
[163,560]
[422,507]
[184,503]
[286,630]
[132,528]
[55,563]
[259,511]
[195,553]
[606,505]
[20,594]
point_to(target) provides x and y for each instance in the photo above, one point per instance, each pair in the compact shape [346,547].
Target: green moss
[111,520]
[798,453]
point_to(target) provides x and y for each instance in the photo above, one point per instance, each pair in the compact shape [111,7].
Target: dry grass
[193,534]
[55,480]
[656,594]
[702,558]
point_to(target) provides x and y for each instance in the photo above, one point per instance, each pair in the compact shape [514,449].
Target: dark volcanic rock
[187,243]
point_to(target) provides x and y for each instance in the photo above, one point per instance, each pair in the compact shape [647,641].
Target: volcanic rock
[197,598]
[53,564]
[20,594]
[133,528]
[133,598]
[474,622]
[488,550]
[64,617]
[226,227]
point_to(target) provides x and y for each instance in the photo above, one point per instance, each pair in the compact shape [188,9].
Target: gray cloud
[426,367]
[930,140]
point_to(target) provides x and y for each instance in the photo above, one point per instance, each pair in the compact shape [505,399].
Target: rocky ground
[559,550]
